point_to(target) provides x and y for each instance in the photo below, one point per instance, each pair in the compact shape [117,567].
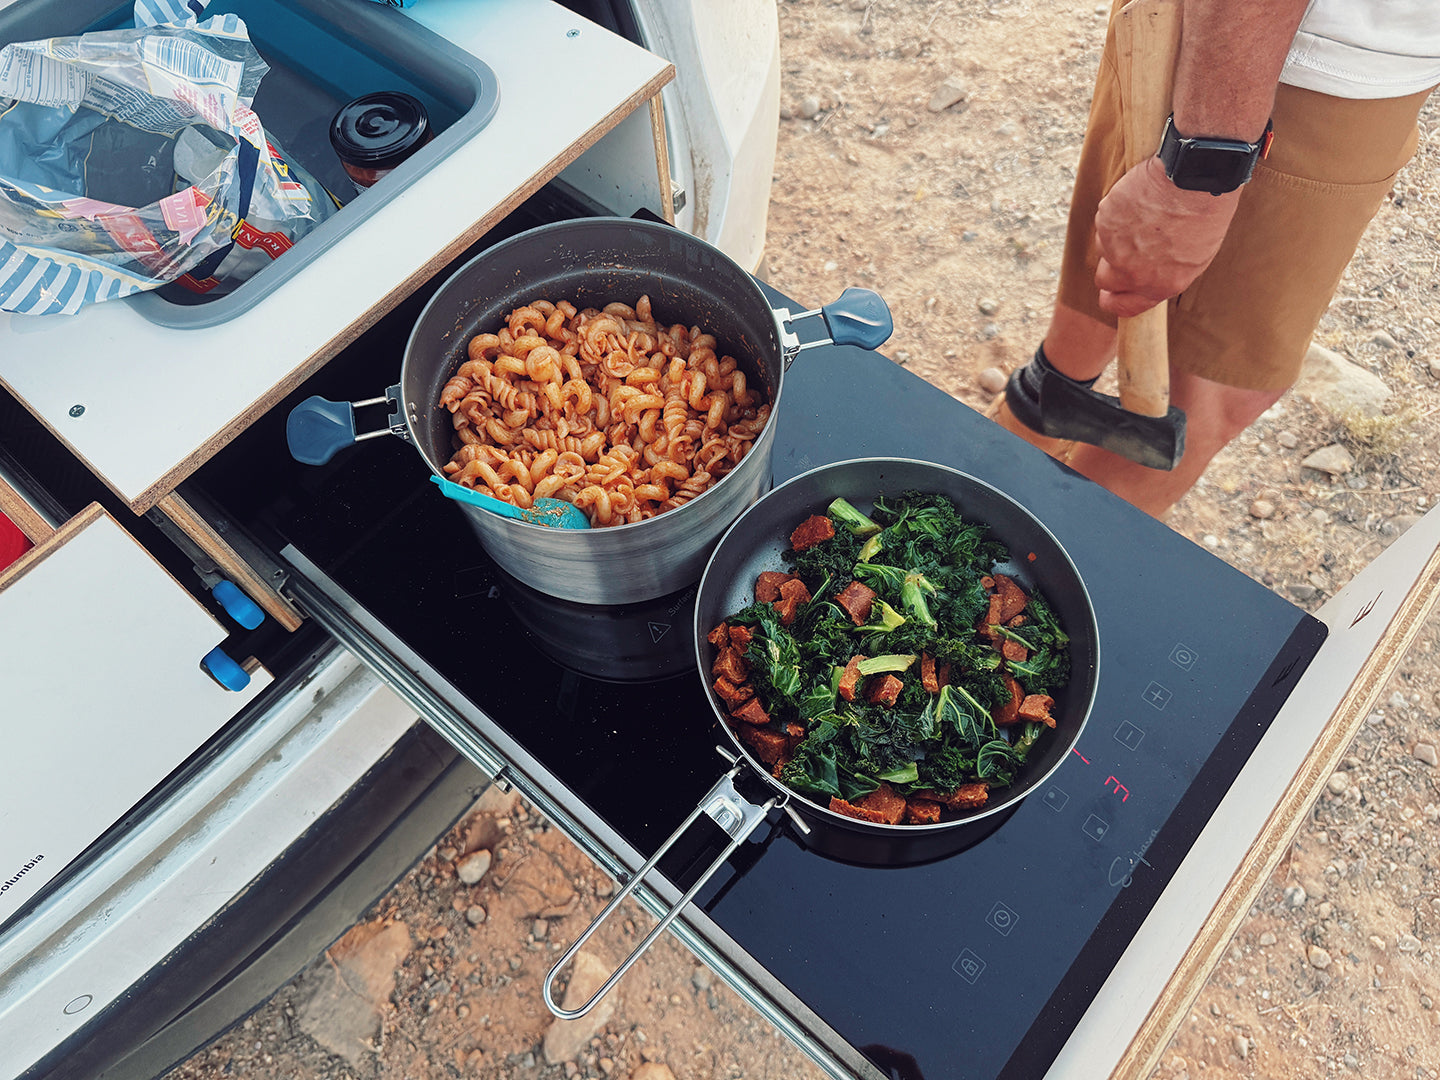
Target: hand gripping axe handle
[1142,425]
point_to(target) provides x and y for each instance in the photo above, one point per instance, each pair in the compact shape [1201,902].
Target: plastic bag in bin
[130,159]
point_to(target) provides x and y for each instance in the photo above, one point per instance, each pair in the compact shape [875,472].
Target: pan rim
[808,805]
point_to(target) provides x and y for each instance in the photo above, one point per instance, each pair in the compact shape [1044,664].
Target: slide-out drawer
[102,688]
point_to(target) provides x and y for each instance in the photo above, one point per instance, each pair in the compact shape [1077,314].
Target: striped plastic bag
[131,158]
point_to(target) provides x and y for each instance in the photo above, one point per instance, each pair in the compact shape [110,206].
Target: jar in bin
[373,134]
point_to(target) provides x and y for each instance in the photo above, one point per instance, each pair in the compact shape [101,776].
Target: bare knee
[1215,413]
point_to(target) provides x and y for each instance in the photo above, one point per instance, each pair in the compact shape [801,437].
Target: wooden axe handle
[1147,40]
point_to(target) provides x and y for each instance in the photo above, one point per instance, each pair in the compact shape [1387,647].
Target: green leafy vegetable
[925,563]
[893,662]
[842,513]
[883,618]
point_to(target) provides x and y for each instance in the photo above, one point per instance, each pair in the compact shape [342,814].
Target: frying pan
[757,542]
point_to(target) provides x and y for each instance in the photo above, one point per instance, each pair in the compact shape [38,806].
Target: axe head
[1069,410]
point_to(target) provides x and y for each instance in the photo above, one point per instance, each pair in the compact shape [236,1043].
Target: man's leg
[1076,345]
[1215,414]
[1239,333]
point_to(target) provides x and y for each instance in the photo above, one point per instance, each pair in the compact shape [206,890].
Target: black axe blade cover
[1069,410]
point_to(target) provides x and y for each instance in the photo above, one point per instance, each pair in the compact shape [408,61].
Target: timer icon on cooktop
[1002,918]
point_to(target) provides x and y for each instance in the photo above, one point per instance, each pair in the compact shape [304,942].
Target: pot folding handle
[723,805]
[317,429]
[859,317]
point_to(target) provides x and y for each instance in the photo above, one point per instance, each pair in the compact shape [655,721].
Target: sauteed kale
[893,673]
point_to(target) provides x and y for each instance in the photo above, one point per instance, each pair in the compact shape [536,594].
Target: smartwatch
[1214,165]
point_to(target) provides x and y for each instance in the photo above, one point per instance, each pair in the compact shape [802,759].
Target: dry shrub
[1377,438]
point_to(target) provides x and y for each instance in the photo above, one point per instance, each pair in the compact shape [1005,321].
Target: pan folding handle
[723,805]
[317,429]
[859,317]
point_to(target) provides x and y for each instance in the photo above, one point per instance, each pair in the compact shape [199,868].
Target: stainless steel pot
[593,262]
[756,542]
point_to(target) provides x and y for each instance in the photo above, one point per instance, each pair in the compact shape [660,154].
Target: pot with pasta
[623,366]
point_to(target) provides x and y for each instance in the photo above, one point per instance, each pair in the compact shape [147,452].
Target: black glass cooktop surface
[978,964]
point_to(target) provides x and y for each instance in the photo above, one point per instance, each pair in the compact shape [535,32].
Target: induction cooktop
[975,965]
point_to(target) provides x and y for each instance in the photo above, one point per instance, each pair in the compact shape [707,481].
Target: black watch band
[1205,164]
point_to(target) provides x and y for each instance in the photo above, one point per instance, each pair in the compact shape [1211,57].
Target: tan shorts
[1247,321]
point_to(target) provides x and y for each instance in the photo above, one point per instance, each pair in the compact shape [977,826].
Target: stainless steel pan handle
[723,805]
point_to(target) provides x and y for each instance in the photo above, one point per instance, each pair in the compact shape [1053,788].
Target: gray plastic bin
[322,53]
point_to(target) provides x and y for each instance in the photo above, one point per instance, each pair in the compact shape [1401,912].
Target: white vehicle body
[78,966]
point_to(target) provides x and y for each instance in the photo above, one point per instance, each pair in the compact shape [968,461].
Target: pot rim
[413,418]
[803,803]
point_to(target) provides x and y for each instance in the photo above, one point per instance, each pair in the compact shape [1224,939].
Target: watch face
[1212,165]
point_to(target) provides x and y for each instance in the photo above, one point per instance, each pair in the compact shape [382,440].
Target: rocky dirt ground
[926,150]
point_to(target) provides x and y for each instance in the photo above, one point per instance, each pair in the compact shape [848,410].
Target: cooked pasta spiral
[605,408]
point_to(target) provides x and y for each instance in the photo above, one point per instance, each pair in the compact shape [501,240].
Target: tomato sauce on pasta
[604,408]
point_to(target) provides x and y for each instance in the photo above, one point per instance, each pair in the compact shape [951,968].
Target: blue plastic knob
[237,605]
[859,317]
[317,429]
[225,671]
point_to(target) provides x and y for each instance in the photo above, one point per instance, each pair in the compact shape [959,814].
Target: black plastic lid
[379,131]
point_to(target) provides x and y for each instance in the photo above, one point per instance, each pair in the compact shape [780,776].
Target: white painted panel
[101,697]
[154,396]
[619,171]
[88,943]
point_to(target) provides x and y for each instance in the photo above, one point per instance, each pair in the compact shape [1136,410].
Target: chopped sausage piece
[943,675]
[719,637]
[815,529]
[1009,712]
[987,583]
[928,679]
[730,665]
[733,696]
[840,806]
[752,712]
[740,638]
[1036,707]
[883,690]
[970,796]
[1014,624]
[1013,651]
[793,593]
[769,746]
[796,588]
[856,599]
[986,626]
[1012,598]
[965,797]
[767,585]
[850,678]
[885,802]
[922,812]
[794,730]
